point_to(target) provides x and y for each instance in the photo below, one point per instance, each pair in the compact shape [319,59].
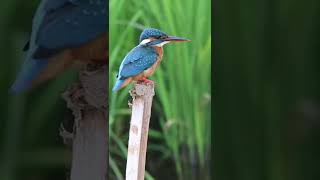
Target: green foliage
[183,87]
[267,90]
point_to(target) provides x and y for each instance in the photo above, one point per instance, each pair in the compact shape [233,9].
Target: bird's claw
[146,81]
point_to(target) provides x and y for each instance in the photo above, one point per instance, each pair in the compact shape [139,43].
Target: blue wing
[60,24]
[137,60]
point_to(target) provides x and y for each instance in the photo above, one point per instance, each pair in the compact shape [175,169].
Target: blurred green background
[179,145]
[30,148]
[266,100]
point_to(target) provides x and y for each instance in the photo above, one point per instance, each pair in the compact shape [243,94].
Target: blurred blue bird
[63,31]
[142,61]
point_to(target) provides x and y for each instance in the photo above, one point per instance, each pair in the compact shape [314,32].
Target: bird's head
[155,37]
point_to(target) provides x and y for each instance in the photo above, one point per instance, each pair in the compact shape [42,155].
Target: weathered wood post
[142,95]
[88,101]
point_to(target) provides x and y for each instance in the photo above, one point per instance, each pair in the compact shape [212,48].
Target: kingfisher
[63,31]
[142,61]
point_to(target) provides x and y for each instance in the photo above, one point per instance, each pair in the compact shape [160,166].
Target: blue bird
[63,31]
[142,61]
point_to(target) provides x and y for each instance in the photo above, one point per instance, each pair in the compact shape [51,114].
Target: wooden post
[89,140]
[142,95]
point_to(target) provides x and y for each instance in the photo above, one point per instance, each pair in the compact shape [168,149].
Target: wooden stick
[89,140]
[89,152]
[142,95]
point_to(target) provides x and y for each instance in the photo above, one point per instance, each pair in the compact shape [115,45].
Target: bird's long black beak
[176,39]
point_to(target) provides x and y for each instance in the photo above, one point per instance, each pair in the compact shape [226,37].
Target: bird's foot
[146,81]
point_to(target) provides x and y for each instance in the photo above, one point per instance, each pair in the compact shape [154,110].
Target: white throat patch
[163,43]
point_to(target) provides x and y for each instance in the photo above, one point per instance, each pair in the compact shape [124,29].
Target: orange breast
[151,70]
[96,49]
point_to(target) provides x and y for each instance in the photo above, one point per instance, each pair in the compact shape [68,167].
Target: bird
[63,31]
[142,61]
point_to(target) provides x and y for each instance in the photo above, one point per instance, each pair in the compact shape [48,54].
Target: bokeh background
[179,145]
[266,90]
[30,145]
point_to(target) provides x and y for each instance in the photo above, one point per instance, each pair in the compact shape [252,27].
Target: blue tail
[29,71]
[118,85]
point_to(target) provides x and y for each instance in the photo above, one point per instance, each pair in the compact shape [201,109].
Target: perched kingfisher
[142,61]
[63,31]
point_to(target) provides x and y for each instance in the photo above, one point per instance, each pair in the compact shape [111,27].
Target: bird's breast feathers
[148,72]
